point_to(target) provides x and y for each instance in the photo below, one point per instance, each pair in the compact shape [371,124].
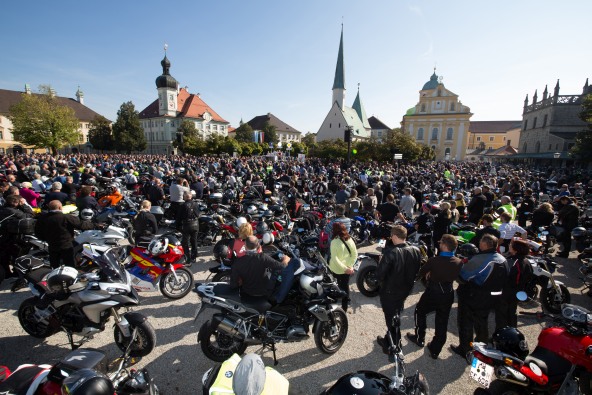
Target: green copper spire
[339,82]
[359,107]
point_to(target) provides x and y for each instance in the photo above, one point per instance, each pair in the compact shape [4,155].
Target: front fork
[122,323]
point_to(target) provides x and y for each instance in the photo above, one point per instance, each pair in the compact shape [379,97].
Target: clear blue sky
[248,58]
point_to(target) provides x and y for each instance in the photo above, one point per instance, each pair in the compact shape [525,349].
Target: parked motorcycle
[553,292]
[561,363]
[315,299]
[81,304]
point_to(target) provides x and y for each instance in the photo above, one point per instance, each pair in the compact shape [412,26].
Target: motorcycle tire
[222,277]
[366,281]
[26,311]
[218,346]
[548,298]
[422,386]
[144,342]
[356,236]
[323,332]
[2,274]
[176,288]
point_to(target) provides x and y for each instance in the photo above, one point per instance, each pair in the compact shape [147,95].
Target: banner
[301,157]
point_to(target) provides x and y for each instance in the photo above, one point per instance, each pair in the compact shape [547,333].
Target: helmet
[433,197]
[251,209]
[158,245]
[58,280]
[112,188]
[87,214]
[87,382]
[511,341]
[220,251]
[579,232]
[268,238]
[362,383]
[262,227]
[91,181]
[496,203]
[236,209]
[468,250]
[310,283]
[240,221]
[267,213]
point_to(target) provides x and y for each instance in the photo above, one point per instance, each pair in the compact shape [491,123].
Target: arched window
[423,107]
[435,134]
[449,133]
[447,153]
[420,134]
[524,147]
[537,147]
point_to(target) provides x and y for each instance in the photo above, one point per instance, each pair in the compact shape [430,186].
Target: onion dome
[166,80]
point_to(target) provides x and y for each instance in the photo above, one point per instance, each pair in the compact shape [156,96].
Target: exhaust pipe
[232,328]
[510,375]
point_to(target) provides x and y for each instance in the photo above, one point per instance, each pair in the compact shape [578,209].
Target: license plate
[481,372]
[198,311]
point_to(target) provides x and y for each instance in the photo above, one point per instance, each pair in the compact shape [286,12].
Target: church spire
[586,87]
[339,81]
[545,93]
[359,107]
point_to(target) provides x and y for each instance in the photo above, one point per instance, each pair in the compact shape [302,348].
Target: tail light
[483,358]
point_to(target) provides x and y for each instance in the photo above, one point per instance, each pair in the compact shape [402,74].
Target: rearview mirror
[521,296]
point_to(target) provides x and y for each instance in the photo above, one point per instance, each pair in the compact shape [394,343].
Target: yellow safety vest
[275,383]
[509,209]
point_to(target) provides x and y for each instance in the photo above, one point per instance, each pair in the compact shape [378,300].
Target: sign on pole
[398,156]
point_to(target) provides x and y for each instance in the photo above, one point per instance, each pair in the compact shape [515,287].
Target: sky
[249,58]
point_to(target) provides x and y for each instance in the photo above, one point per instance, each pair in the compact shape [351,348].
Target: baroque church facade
[341,117]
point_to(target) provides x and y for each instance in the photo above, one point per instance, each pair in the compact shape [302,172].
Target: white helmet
[240,221]
[158,245]
[311,284]
[61,278]
[252,209]
[87,214]
[268,238]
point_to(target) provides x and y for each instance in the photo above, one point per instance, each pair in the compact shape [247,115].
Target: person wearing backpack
[520,274]
[187,220]
[343,257]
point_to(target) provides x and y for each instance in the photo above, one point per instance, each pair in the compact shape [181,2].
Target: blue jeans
[287,279]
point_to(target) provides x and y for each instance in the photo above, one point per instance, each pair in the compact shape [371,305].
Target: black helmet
[468,250]
[579,232]
[511,341]
[262,227]
[496,204]
[220,251]
[87,382]
[236,209]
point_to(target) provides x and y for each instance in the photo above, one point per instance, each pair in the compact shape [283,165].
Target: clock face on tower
[171,105]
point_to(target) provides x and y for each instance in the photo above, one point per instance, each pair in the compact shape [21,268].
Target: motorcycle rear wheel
[143,344]
[176,288]
[222,277]
[367,282]
[329,342]
[26,316]
[422,386]
[218,346]
[548,298]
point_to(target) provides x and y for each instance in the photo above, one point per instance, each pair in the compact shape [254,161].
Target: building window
[420,134]
[81,138]
[478,138]
[452,106]
[525,124]
[423,108]
[490,139]
[534,123]
[509,142]
[162,136]
[504,138]
[439,93]
[379,134]
[524,147]
[449,133]
[537,147]
[87,138]
[435,134]
[545,120]
[216,127]
[550,147]
[339,125]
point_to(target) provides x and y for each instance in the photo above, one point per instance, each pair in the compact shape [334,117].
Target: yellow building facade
[439,120]
[491,135]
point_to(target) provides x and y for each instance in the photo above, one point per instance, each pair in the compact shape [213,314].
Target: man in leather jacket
[396,272]
[187,220]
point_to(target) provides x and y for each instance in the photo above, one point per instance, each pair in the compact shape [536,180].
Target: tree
[583,145]
[270,134]
[99,133]
[396,139]
[39,120]
[244,133]
[309,139]
[190,135]
[127,131]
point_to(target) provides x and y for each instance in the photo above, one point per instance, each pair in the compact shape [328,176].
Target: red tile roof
[189,105]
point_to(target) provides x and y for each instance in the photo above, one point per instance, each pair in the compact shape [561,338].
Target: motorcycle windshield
[110,267]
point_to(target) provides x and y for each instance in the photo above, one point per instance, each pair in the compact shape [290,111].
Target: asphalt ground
[177,364]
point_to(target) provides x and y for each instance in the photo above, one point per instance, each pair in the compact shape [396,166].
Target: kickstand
[71,341]
[275,361]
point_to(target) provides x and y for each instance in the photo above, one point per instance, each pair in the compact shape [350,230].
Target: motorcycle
[160,265]
[82,303]
[313,300]
[50,380]
[553,292]
[561,362]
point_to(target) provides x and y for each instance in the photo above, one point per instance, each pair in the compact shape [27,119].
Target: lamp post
[348,139]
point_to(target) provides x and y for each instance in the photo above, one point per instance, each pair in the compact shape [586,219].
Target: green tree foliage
[583,145]
[309,139]
[190,136]
[244,133]
[39,121]
[332,149]
[99,133]
[127,131]
[404,144]
[298,148]
[270,134]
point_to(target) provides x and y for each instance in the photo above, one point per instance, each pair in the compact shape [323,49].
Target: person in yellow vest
[247,376]
[505,207]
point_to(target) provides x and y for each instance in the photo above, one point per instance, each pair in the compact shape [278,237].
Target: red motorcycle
[160,265]
[560,363]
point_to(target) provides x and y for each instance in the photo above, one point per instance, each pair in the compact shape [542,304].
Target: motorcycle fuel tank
[573,348]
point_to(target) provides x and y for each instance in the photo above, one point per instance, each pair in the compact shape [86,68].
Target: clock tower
[166,85]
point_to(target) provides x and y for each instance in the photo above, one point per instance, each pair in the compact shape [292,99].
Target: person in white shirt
[407,203]
[507,232]
[176,194]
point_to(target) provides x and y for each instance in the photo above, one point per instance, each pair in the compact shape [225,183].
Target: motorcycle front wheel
[26,316]
[329,336]
[144,342]
[222,277]
[218,346]
[176,288]
[366,281]
[551,301]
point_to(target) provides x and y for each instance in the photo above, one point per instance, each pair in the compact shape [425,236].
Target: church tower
[339,81]
[167,90]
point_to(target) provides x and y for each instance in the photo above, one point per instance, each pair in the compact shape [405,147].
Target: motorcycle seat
[550,363]
[224,291]
[18,382]
[35,276]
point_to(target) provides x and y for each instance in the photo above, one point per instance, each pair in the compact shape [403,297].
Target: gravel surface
[177,363]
